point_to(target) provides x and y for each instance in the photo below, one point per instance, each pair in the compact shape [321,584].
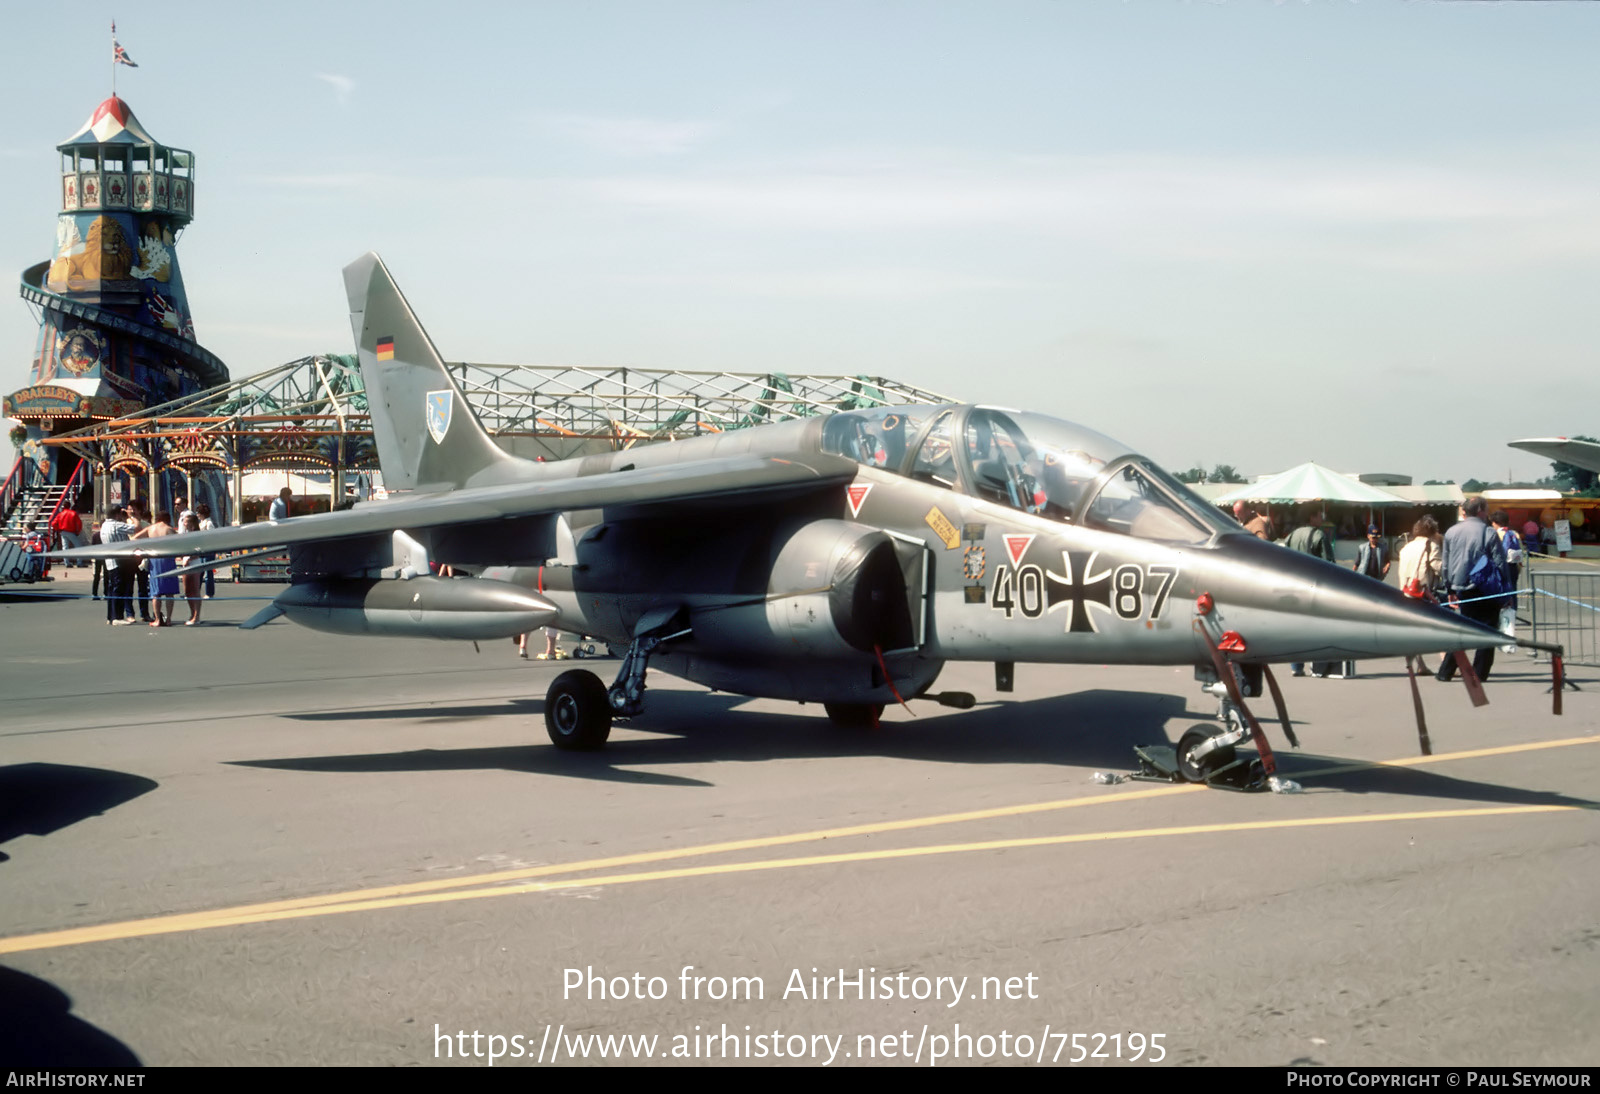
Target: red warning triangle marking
[857,493]
[1017,546]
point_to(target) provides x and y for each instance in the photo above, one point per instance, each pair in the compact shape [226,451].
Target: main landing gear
[578,707]
[576,713]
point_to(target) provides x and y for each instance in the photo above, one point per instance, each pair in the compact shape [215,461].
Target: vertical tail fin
[428,437]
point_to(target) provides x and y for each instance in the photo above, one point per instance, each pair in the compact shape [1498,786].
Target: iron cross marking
[1078,590]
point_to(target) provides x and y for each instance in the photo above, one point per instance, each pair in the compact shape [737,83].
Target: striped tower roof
[111,123]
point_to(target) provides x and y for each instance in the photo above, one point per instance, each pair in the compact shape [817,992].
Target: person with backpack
[1511,541]
[1472,570]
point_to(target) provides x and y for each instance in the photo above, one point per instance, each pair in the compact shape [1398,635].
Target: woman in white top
[1420,560]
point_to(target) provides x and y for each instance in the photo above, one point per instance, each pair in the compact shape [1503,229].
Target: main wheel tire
[1197,770]
[854,715]
[577,713]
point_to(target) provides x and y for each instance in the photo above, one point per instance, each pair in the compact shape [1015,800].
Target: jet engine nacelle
[834,589]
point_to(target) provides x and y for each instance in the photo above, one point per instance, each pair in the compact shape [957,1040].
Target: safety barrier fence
[1558,602]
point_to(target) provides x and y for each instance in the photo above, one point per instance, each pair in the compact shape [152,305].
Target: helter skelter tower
[116,335]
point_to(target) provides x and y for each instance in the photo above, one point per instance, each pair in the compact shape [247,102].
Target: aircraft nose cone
[1329,612]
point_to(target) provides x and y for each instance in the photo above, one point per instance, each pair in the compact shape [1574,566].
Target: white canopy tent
[1310,482]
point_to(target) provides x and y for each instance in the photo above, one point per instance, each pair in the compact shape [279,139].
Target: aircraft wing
[658,489]
[1584,454]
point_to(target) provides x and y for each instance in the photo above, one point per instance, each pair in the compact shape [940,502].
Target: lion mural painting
[105,256]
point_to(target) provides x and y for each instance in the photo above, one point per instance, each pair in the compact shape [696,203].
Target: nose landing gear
[1207,753]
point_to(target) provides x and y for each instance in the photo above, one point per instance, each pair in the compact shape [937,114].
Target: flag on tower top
[120,56]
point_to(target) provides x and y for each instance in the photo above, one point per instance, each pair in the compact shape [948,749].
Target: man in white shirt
[119,575]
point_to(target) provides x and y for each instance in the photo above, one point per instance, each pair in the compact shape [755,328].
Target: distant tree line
[1223,472]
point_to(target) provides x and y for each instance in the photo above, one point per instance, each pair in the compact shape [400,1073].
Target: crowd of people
[1472,568]
[151,586]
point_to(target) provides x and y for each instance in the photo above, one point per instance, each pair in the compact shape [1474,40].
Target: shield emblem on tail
[440,404]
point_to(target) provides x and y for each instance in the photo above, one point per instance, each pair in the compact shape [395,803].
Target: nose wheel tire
[1196,769]
[854,715]
[577,714]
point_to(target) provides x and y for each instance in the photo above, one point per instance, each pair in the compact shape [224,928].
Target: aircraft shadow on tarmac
[428,715]
[38,799]
[1084,728]
[1096,728]
[1412,782]
[38,1029]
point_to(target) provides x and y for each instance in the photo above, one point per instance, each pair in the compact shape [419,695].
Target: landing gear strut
[627,692]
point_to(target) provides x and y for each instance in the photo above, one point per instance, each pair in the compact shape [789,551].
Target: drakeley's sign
[53,401]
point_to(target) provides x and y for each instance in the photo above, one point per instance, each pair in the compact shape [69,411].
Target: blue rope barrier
[1567,599]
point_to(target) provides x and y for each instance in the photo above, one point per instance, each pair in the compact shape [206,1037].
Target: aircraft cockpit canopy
[1026,461]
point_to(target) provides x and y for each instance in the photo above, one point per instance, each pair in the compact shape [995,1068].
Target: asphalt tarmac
[282,847]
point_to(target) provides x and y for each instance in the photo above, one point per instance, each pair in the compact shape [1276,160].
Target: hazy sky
[1245,232]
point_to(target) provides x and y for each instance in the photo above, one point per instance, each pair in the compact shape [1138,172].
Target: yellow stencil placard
[943,528]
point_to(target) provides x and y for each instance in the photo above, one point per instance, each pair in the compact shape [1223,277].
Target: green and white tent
[1309,482]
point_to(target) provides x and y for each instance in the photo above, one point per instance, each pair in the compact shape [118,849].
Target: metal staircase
[25,504]
[35,504]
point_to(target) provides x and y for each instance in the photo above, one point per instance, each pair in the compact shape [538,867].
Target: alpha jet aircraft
[841,559]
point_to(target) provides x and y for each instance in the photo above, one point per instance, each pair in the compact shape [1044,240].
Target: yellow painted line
[366,897]
[761,842]
[751,844]
[1502,750]
[241,916]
